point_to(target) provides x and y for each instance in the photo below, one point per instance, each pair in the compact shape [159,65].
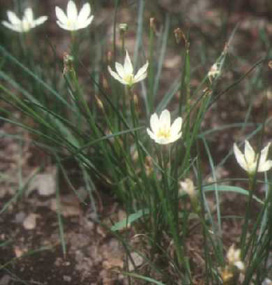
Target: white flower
[187,186]
[26,24]
[267,282]
[234,258]
[214,72]
[74,21]
[161,130]
[248,161]
[125,72]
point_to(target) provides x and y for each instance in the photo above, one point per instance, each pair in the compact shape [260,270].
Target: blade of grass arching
[60,118]
[17,87]
[27,110]
[233,189]
[60,220]
[32,75]
[99,140]
[139,34]
[218,233]
[168,96]
[226,127]
[237,82]
[162,53]
[141,277]
[31,130]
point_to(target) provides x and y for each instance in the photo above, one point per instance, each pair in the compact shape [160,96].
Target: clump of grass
[118,133]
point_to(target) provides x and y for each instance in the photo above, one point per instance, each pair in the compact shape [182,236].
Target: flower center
[129,78]
[164,133]
[26,26]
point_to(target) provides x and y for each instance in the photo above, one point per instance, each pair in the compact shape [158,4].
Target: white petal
[28,15]
[265,166]
[40,20]
[61,15]
[139,78]
[176,126]
[175,137]
[84,13]
[120,69]
[142,71]
[240,265]
[165,119]
[116,76]
[72,11]
[13,18]
[15,28]
[86,23]
[128,65]
[154,123]
[152,135]
[64,26]
[264,154]
[162,141]
[249,153]
[240,157]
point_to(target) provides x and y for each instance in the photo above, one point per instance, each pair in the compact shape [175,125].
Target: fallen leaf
[69,206]
[137,261]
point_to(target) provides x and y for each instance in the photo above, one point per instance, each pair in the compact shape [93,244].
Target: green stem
[248,207]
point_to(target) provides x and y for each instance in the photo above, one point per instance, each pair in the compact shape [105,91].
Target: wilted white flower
[188,187]
[125,73]
[74,21]
[249,160]
[267,281]
[162,132]
[26,24]
[214,72]
[234,258]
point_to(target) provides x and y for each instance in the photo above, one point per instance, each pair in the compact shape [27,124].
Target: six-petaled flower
[26,24]
[162,132]
[73,21]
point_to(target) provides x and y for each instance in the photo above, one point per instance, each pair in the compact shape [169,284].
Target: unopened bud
[152,24]
[188,187]
[99,103]
[178,35]
[123,27]
[135,99]
[234,258]
[214,72]
[67,63]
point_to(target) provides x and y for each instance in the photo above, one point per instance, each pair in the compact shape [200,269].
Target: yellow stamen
[164,133]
